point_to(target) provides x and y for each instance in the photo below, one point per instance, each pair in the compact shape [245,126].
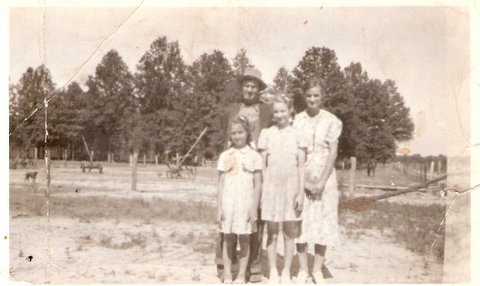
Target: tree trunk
[353,168]
[73,152]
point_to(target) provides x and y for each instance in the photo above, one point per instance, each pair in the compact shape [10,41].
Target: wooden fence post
[156,159]
[36,153]
[353,169]
[131,159]
[432,169]
[134,170]
[425,171]
[144,159]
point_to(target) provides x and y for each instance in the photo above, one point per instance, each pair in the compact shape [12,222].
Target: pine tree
[33,88]
[160,84]
[282,80]
[209,76]
[110,100]
[241,62]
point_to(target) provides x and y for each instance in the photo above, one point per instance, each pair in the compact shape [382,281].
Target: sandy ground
[160,251]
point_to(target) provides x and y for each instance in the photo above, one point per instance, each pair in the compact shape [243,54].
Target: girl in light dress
[239,187]
[282,191]
[321,130]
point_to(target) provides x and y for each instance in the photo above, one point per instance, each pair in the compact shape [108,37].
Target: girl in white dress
[239,189]
[321,130]
[282,190]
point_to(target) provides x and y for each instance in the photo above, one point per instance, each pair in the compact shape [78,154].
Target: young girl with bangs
[239,187]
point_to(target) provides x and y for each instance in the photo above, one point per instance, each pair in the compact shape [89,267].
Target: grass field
[100,232]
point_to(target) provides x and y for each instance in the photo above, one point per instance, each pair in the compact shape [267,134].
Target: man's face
[250,91]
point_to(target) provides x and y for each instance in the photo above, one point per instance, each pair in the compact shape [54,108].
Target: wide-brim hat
[252,74]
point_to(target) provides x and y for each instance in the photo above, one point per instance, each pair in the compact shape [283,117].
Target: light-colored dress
[280,177]
[320,217]
[239,166]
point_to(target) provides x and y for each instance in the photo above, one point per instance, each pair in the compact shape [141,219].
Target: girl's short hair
[243,121]
[288,101]
[283,98]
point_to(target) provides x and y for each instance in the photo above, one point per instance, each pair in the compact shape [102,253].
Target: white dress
[320,217]
[239,166]
[280,177]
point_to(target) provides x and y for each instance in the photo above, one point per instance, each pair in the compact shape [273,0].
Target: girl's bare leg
[244,255]
[302,257]
[228,244]
[319,257]
[290,232]
[272,229]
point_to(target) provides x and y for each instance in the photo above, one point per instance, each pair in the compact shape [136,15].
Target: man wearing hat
[259,116]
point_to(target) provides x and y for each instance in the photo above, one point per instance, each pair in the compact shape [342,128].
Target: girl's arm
[301,171]
[332,156]
[221,180]
[264,157]
[301,178]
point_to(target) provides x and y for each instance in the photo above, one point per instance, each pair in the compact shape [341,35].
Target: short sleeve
[263,140]
[221,163]
[299,133]
[334,131]
[302,142]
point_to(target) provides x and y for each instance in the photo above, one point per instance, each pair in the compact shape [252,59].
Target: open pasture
[100,232]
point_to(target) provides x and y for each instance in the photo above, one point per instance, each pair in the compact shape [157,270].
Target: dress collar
[243,150]
[254,106]
[319,114]
[286,128]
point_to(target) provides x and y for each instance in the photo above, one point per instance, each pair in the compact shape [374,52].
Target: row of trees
[165,103]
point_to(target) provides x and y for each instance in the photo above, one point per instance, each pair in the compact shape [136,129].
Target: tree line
[163,105]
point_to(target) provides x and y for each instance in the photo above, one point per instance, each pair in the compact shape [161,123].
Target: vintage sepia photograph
[156,142]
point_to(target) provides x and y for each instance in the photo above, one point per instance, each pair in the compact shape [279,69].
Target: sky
[424,50]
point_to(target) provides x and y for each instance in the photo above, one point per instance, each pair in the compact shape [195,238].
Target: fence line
[421,171]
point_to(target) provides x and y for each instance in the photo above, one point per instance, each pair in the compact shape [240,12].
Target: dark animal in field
[32,175]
